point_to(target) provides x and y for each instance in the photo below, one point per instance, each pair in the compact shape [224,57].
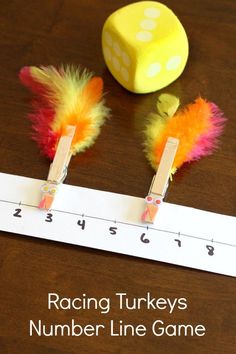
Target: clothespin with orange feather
[175,137]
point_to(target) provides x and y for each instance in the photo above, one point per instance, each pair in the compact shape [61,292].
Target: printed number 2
[49,217]
[17,213]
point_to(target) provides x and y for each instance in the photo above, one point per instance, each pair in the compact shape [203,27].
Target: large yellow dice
[145,46]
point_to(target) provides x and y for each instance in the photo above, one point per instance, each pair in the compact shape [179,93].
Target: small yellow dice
[145,46]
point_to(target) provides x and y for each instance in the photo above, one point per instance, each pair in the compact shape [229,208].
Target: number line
[122,223]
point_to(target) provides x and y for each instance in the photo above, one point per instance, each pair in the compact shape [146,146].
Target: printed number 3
[49,217]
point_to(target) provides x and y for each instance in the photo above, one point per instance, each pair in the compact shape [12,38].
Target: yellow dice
[145,46]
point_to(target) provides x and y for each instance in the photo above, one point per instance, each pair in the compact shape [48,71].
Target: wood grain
[54,32]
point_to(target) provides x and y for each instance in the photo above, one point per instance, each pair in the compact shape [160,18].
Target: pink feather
[208,141]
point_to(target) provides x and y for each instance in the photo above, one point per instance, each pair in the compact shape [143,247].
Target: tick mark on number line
[179,234]
[212,240]
[20,203]
[147,227]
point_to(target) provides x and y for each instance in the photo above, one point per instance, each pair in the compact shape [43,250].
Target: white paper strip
[108,221]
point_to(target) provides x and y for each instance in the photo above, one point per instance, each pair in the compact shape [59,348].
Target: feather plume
[64,96]
[197,126]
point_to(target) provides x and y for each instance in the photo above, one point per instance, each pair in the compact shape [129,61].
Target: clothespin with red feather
[68,112]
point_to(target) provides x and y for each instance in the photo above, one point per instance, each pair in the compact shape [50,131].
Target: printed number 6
[143,239]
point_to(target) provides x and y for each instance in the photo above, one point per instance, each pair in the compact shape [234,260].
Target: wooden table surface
[55,32]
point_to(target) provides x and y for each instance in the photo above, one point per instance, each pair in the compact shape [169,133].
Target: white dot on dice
[153,69]
[107,53]
[125,74]
[148,24]
[152,12]
[117,49]
[144,36]
[116,63]
[173,63]
[126,59]
[108,38]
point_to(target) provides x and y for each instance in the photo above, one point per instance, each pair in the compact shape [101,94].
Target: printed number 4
[81,223]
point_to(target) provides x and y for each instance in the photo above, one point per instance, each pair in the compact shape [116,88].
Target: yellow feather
[167,105]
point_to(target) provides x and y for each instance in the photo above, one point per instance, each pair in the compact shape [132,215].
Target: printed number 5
[113,230]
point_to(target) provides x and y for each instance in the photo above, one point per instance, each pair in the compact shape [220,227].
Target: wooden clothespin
[64,97]
[58,168]
[160,181]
